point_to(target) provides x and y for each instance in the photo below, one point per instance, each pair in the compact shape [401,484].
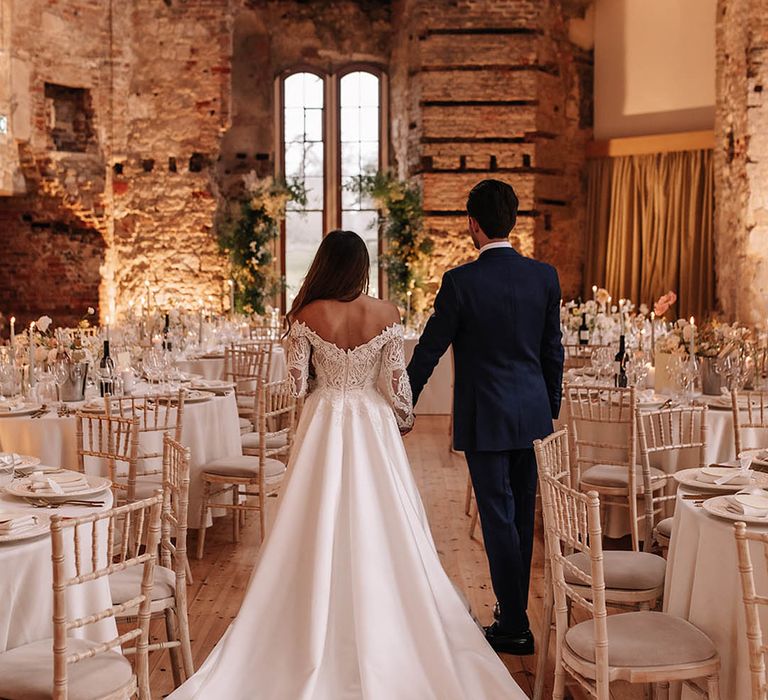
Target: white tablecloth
[213,367]
[26,597]
[437,397]
[703,586]
[211,430]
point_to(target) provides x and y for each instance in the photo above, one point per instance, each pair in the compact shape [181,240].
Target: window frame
[331,129]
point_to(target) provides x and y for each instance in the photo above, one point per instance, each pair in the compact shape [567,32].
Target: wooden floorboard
[222,576]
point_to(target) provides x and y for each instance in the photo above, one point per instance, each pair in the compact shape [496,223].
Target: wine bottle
[106,372]
[166,331]
[621,363]
[584,330]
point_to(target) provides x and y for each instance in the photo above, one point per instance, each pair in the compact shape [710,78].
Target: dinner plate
[197,396]
[719,507]
[759,456]
[687,478]
[26,410]
[217,386]
[42,527]
[22,462]
[96,484]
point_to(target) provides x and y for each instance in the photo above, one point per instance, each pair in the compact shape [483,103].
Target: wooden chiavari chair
[169,597]
[750,411]
[245,365]
[115,440]
[64,666]
[670,432]
[602,422]
[632,579]
[158,415]
[636,647]
[578,356]
[89,332]
[752,602]
[259,470]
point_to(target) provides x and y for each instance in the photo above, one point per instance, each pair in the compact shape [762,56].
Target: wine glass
[60,376]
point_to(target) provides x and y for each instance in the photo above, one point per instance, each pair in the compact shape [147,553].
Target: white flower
[91,311]
[644,309]
[41,353]
[43,323]
[52,353]
[687,333]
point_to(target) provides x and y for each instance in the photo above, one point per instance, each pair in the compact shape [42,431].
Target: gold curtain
[650,220]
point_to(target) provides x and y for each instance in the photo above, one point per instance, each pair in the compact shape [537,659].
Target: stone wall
[493,89]
[133,119]
[741,160]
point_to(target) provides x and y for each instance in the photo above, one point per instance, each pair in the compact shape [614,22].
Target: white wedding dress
[348,600]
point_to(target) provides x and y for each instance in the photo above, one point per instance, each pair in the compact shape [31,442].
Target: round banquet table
[26,594]
[211,430]
[704,587]
[212,367]
[720,448]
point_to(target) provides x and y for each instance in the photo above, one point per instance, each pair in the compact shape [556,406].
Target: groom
[501,313]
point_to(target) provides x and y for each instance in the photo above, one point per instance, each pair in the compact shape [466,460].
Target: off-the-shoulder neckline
[382,332]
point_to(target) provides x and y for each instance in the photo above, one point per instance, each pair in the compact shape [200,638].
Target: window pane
[304,151]
[350,124]
[350,198]
[350,158]
[303,233]
[369,157]
[313,124]
[369,90]
[350,90]
[369,124]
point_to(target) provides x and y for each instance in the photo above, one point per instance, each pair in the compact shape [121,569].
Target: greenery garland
[246,226]
[407,246]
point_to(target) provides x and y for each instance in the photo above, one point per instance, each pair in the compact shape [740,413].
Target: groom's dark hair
[493,204]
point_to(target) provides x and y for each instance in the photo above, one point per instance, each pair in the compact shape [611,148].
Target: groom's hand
[405,431]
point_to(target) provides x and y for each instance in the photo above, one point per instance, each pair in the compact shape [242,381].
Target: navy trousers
[505,489]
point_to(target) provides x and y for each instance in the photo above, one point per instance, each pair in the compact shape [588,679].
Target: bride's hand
[405,431]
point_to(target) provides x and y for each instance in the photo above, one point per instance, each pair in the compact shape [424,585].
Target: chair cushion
[146,486]
[244,466]
[616,476]
[26,672]
[627,571]
[664,527]
[126,584]
[245,426]
[639,639]
[250,441]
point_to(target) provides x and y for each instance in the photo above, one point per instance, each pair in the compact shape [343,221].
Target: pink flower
[664,302]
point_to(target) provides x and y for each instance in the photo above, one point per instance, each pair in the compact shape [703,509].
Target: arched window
[331,133]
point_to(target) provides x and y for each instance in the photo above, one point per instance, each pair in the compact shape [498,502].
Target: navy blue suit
[501,313]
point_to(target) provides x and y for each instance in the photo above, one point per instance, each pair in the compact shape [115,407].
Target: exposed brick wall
[741,159]
[494,88]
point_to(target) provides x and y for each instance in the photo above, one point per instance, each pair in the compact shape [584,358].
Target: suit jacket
[501,313]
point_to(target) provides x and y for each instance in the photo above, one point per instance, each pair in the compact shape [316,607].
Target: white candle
[231,297]
[653,337]
[106,328]
[408,306]
[31,359]
[13,331]
[594,292]
[693,338]
[200,325]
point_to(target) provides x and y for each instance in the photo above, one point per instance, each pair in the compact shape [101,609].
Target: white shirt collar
[495,244]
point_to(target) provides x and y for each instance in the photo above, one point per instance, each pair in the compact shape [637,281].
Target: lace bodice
[359,368]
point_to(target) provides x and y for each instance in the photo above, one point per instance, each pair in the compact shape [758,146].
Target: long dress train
[349,600]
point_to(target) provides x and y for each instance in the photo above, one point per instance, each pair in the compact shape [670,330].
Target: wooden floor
[222,576]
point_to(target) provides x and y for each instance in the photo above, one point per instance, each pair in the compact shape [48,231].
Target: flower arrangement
[247,226]
[664,303]
[408,248]
[678,340]
[715,337]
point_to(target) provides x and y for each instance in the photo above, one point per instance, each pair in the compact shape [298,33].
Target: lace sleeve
[398,386]
[298,361]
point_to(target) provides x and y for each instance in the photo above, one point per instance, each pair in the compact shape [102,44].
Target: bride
[348,599]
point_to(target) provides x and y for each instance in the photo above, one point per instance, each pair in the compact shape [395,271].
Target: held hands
[406,429]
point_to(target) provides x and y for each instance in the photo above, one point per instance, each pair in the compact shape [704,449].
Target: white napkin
[57,484]
[9,405]
[741,509]
[11,524]
[8,459]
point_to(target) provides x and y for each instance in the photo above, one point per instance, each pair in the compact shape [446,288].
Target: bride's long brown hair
[339,271]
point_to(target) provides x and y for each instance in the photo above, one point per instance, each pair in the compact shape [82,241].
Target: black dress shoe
[520,643]
[497,611]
